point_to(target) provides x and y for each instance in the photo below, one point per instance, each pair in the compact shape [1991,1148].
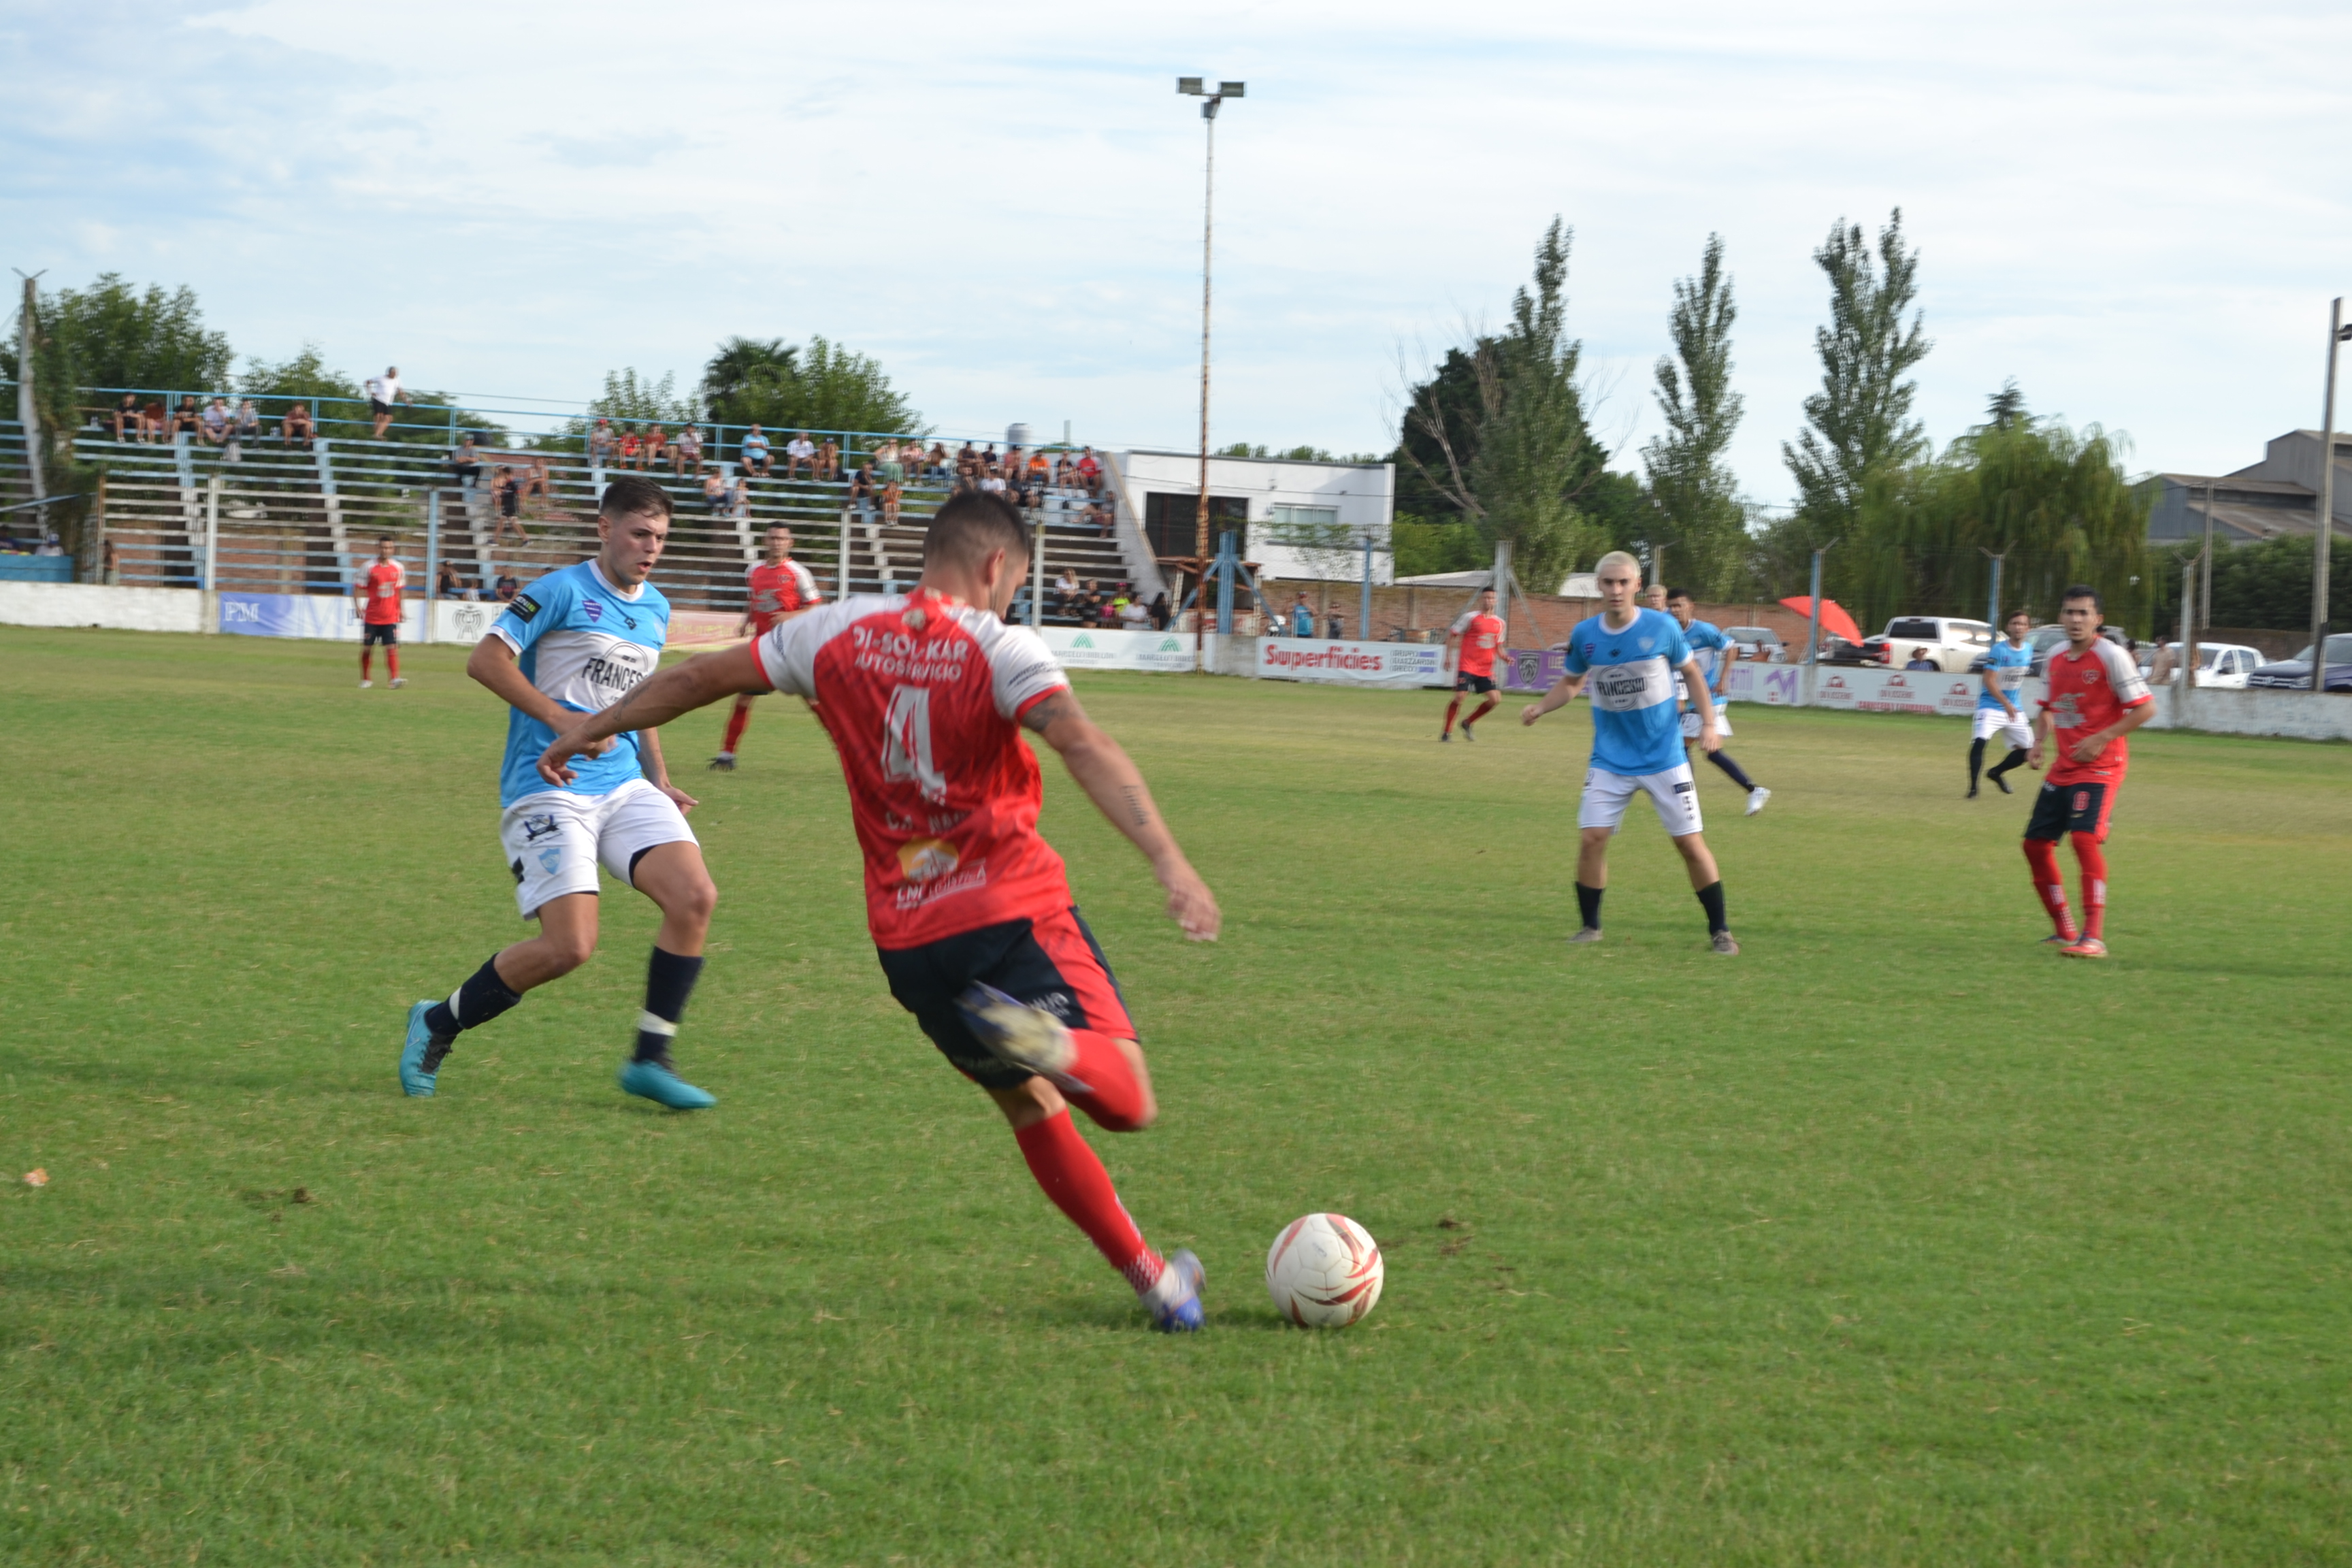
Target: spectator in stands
[248,422]
[800,456]
[1105,519]
[1090,471]
[1064,590]
[297,429]
[186,420]
[1132,616]
[466,462]
[894,490]
[632,448]
[1302,618]
[1920,660]
[741,498]
[861,490]
[449,586]
[1041,474]
[1159,611]
[601,445]
[714,494]
[505,588]
[1339,628]
[534,483]
[967,468]
[153,421]
[755,454]
[127,424]
[110,566]
[828,461]
[217,421]
[935,469]
[510,498]
[686,456]
[382,392]
[656,447]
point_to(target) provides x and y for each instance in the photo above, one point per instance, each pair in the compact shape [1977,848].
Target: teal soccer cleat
[659,1082]
[421,1054]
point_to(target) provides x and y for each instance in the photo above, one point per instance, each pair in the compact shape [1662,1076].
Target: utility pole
[2325,538]
[1813,632]
[1992,609]
[28,406]
[1192,87]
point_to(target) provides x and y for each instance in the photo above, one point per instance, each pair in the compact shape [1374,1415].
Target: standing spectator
[828,461]
[466,462]
[1302,618]
[1920,660]
[1339,628]
[714,494]
[382,392]
[110,566]
[297,429]
[894,490]
[755,455]
[800,456]
[601,445]
[632,448]
[1159,611]
[686,457]
[510,498]
[127,426]
[656,447]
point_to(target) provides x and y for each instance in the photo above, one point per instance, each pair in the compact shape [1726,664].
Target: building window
[1305,518]
[1171,521]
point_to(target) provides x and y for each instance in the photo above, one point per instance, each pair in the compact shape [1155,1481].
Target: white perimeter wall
[1365,496]
[92,605]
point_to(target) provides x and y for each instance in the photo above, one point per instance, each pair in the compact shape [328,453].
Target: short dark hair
[2013,614]
[629,496]
[383,539]
[968,526]
[1673,594]
[2083,591]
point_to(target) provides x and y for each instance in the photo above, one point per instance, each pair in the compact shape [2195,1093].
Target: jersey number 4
[906,741]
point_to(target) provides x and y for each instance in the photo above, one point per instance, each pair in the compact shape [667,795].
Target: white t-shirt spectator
[800,448]
[383,389]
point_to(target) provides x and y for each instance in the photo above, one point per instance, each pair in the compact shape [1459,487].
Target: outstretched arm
[1563,693]
[1109,775]
[658,698]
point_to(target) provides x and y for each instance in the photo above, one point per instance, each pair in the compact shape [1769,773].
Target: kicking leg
[674,876]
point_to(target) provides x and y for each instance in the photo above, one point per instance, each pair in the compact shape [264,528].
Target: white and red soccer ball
[1324,1271]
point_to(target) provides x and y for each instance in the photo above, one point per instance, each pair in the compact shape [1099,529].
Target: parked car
[1952,644]
[1837,650]
[1761,643]
[2294,674]
[2223,665]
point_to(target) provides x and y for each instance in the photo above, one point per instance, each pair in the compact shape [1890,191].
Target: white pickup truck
[1951,646]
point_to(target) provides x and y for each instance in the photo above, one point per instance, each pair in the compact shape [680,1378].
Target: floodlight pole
[2323,539]
[1194,87]
[29,405]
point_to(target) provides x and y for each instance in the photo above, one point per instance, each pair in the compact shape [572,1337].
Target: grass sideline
[1897,1239]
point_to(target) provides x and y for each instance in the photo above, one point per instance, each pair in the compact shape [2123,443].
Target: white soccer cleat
[398,681]
[1755,799]
[365,684]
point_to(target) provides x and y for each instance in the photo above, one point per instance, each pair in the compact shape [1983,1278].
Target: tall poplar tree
[1692,484]
[1860,422]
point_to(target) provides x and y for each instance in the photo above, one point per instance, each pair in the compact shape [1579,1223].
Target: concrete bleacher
[293,520]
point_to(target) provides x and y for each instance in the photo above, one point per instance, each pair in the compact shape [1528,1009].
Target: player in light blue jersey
[1630,658]
[1715,653]
[575,642]
[1999,706]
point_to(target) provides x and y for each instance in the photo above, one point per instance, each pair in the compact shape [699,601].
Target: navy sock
[669,981]
[1587,905]
[2016,758]
[1710,898]
[1976,760]
[1738,775]
[482,998]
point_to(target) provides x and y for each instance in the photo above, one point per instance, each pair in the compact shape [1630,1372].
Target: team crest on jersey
[539,826]
[595,608]
[921,859]
[548,859]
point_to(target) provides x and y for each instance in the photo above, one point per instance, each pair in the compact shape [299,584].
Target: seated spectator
[828,461]
[50,546]
[510,498]
[1105,519]
[297,429]
[535,482]
[248,422]
[466,462]
[656,447]
[127,423]
[861,488]
[1059,595]
[505,588]
[967,468]
[740,499]
[935,469]
[216,422]
[714,494]
[1920,660]
[1090,471]
[686,456]
[755,452]
[1134,616]
[448,586]
[603,445]
[632,448]
[1041,472]
[800,456]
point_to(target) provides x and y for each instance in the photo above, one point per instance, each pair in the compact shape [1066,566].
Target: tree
[1860,420]
[819,387]
[1530,458]
[1695,489]
[111,336]
[340,406]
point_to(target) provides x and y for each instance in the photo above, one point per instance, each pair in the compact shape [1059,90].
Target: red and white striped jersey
[776,590]
[922,695]
[2089,691]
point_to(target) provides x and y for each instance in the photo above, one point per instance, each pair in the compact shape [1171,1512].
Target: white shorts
[1722,722]
[554,840]
[1990,721]
[1673,792]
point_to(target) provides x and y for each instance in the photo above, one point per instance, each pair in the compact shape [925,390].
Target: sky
[2135,211]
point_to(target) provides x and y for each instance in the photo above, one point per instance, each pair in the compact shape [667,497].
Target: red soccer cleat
[2089,947]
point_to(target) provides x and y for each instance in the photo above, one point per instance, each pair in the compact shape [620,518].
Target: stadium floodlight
[1193,86]
[1190,85]
[1232,89]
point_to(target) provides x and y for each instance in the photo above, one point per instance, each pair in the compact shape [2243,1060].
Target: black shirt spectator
[506,588]
[467,463]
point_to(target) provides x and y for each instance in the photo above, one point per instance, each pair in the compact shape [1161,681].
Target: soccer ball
[1324,1271]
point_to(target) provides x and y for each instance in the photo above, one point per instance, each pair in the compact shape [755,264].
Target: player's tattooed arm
[1103,769]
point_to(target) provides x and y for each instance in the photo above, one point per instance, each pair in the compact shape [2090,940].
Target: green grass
[1894,1240]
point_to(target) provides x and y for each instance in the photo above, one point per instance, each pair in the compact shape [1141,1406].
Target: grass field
[1894,1240]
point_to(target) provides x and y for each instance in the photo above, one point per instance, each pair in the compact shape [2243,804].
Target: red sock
[2042,856]
[1451,710]
[1114,1101]
[392,662]
[2094,857]
[1081,1189]
[1484,708]
[735,722]
[367,657]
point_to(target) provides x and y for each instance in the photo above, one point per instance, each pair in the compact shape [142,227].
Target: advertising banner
[1535,669]
[329,616]
[1079,648]
[1396,664]
[1863,689]
[1774,685]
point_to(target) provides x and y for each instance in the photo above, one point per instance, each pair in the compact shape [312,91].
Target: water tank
[1017,436]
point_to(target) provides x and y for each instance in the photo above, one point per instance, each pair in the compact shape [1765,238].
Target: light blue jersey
[1708,645]
[1635,726]
[2007,664]
[585,643]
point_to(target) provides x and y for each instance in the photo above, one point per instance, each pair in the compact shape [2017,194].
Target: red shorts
[1053,962]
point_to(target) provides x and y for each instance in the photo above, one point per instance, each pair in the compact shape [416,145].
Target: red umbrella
[1834,620]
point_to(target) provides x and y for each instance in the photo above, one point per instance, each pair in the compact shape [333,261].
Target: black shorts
[2081,806]
[1465,681]
[376,406]
[1054,964]
[374,632]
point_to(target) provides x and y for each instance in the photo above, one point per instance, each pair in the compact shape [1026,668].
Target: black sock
[1976,760]
[482,998]
[1710,898]
[669,981]
[1738,774]
[1588,904]
[2016,757]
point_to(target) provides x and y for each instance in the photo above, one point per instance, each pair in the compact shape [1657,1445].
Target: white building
[1296,520]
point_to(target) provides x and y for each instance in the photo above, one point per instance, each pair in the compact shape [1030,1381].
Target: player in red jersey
[1471,642]
[2096,697]
[779,588]
[925,695]
[376,597]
